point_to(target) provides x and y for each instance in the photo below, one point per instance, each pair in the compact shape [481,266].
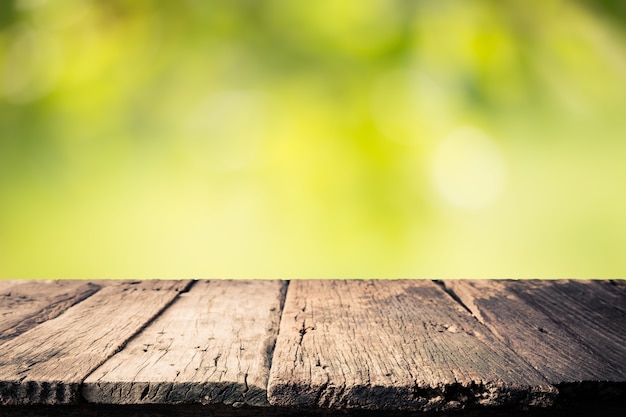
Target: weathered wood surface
[619,283]
[213,345]
[47,364]
[571,331]
[25,304]
[392,345]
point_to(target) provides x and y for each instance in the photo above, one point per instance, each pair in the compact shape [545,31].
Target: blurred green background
[287,139]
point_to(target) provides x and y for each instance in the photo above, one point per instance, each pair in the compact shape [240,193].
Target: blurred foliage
[378,138]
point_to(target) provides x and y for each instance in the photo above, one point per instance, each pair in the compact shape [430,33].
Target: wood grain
[46,364]
[25,304]
[571,331]
[392,345]
[213,345]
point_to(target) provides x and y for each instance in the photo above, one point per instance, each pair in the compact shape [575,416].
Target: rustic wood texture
[213,345]
[392,345]
[619,283]
[46,364]
[571,331]
[25,304]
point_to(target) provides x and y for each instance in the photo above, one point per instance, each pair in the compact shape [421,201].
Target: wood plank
[392,345]
[213,345]
[571,331]
[46,364]
[25,304]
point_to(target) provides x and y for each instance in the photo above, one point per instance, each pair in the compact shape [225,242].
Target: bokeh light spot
[468,169]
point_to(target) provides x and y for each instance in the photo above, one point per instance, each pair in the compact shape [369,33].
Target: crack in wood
[456,298]
[548,323]
[425,336]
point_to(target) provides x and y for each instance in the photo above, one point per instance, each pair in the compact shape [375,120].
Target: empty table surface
[395,345]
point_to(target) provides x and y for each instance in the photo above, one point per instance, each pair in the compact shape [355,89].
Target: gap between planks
[25,304]
[335,390]
[48,363]
[402,344]
[213,345]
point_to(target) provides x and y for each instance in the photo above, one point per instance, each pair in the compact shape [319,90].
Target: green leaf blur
[327,139]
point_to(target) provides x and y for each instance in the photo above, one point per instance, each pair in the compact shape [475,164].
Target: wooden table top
[395,345]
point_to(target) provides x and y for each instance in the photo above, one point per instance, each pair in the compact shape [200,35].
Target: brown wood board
[392,345]
[571,331]
[25,304]
[213,345]
[46,364]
